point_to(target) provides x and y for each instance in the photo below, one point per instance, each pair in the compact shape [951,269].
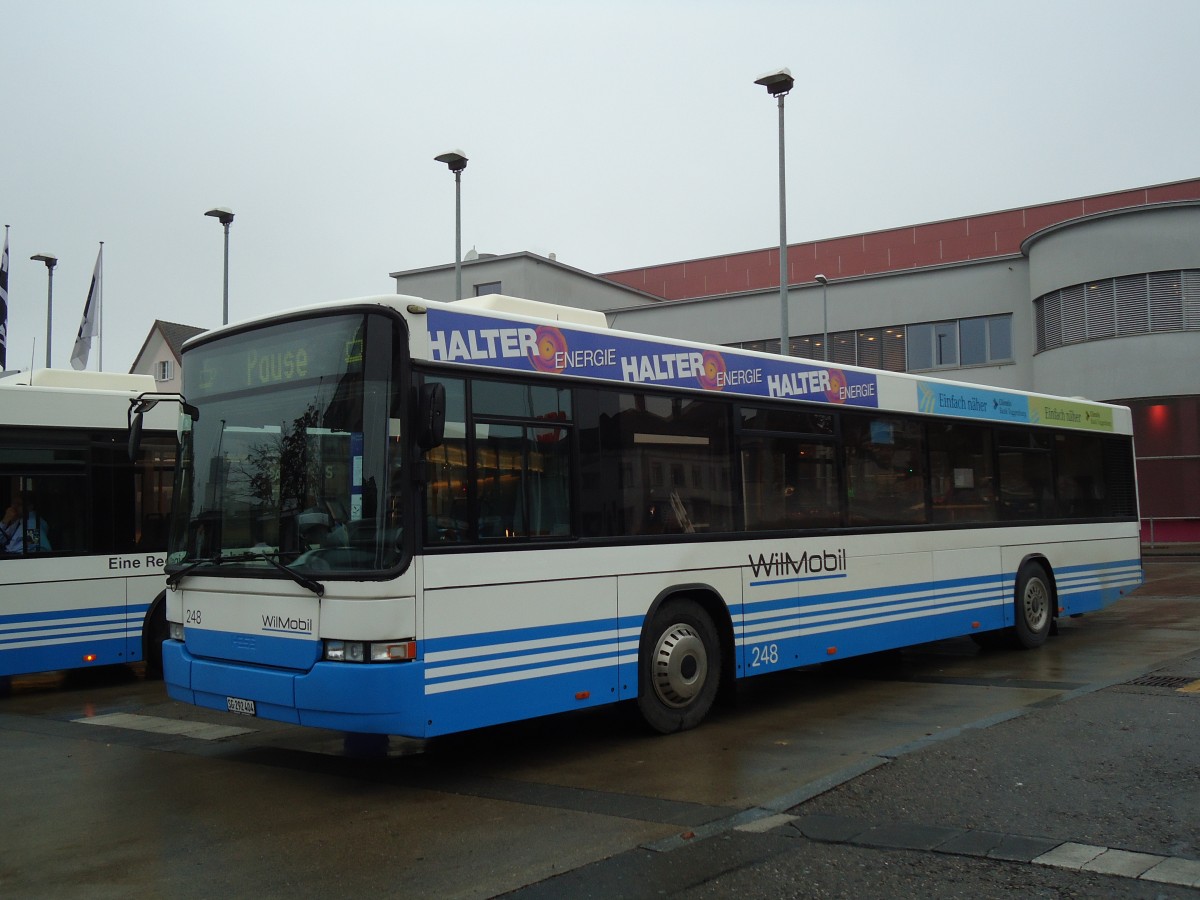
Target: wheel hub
[1036,602]
[680,665]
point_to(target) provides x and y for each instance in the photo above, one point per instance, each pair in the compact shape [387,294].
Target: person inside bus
[323,524]
[21,531]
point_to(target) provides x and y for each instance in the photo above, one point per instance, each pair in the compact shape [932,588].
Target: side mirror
[431,415]
[135,436]
[141,405]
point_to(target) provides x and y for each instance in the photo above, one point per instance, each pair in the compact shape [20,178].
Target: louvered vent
[1131,304]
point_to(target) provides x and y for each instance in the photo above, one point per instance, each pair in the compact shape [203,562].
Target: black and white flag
[4,304]
[90,326]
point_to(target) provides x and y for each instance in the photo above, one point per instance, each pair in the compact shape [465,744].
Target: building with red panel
[1095,297]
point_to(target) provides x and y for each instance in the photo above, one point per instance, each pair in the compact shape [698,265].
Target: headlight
[175,631]
[375,651]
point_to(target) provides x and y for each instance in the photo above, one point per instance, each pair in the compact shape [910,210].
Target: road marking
[157,725]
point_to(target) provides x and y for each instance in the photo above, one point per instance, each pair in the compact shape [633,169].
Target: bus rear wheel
[1035,607]
[679,667]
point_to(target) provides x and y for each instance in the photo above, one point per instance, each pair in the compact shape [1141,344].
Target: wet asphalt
[1094,793]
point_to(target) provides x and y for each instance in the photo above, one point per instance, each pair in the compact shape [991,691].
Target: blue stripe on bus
[797,579]
[31,628]
[479,669]
[880,614]
[518,635]
[498,654]
[39,633]
[848,603]
[1100,566]
[913,587]
[559,644]
[49,616]
[493,704]
[467,659]
[106,651]
[42,640]
[49,640]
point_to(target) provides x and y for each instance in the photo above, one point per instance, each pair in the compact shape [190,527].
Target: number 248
[764,655]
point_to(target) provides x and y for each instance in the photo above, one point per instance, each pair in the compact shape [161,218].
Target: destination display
[519,346]
[277,356]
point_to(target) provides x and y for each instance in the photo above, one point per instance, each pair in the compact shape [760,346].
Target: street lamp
[51,262]
[778,84]
[456,162]
[824,282]
[225,216]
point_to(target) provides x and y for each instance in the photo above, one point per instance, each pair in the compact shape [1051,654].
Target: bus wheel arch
[1035,603]
[154,632]
[684,658]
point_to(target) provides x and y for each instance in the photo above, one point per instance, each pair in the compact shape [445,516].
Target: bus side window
[1079,464]
[51,514]
[522,480]
[961,475]
[885,470]
[789,482]
[680,463]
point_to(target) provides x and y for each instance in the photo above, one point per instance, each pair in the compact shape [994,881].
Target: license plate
[240,706]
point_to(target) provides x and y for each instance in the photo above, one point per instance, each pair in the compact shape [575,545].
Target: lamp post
[225,216]
[51,262]
[778,84]
[824,282]
[456,161]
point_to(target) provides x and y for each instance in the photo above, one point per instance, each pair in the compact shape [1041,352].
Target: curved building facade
[1116,300]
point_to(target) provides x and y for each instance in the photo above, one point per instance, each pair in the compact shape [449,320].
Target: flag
[90,326]
[4,304]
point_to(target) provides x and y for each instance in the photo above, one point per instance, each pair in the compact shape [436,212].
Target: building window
[982,340]
[933,345]
[978,341]
[1112,307]
[843,347]
[164,370]
[488,287]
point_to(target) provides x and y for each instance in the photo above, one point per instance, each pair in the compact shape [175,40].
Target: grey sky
[613,134]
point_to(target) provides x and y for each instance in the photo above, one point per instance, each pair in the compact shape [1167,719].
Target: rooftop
[946,242]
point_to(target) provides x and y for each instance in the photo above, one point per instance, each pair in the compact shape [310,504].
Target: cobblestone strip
[1041,851]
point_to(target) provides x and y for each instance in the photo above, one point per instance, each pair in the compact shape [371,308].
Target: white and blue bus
[407,517]
[83,535]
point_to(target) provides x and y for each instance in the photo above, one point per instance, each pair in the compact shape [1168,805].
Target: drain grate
[1174,682]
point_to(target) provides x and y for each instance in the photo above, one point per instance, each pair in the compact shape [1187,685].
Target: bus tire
[1034,607]
[154,632]
[679,667]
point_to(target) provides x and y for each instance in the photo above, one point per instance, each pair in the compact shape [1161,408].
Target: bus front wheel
[1035,607]
[679,667]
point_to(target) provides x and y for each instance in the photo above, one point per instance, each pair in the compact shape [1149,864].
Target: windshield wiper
[315,586]
[175,577]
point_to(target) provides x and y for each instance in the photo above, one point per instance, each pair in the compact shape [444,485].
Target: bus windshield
[296,458]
